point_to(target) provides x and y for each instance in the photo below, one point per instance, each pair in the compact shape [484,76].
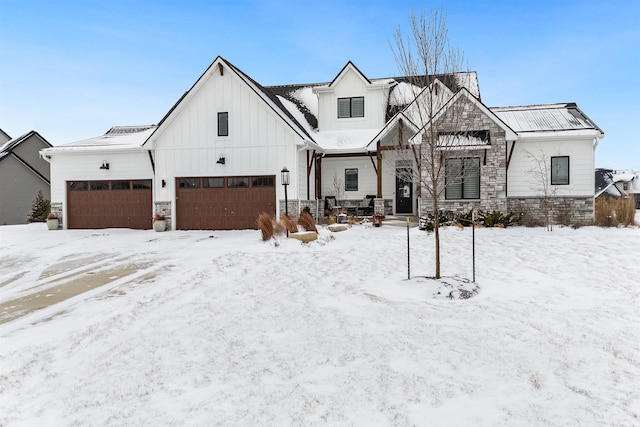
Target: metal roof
[545,118]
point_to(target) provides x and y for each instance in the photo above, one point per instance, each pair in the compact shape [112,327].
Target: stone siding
[493,164]
[56,208]
[296,206]
[563,210]
[164,208]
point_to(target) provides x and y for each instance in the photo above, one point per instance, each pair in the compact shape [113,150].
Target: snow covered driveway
[233,331]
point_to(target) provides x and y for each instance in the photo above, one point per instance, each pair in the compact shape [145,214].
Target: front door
[404,190]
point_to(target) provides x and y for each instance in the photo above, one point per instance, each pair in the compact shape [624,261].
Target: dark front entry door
[404,193]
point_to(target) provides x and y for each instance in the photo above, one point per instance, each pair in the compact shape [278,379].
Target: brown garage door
[223,203]
[109,204]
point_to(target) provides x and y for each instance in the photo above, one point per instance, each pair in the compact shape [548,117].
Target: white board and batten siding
[521,180]
[259,142]
[85,166]
[336,166]
[350,84]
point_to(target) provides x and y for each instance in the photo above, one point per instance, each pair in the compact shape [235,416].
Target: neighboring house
[605,185]
[215,160]
[22,174]
[629,182]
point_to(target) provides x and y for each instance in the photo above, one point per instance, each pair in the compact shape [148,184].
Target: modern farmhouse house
[215,160]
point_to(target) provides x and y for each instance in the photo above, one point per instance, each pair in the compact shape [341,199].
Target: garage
[223,203]
[109,204]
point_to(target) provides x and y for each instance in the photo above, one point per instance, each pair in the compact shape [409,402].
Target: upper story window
[560,170]
[351,107]
[223,124]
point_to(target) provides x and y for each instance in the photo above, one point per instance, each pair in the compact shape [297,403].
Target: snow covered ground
[189,329]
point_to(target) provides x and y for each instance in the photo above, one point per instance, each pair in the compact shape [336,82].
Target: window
[462,178]
[99,185]
[189,182]
[223,124]
[237,182]
[262,181]
[625,186]
[120,185]
[213,182]
[142,184]
[351,107]
[351,179]
[78,186]
[560,170]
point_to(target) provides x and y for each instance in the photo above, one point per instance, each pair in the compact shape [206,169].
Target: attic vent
[221,69]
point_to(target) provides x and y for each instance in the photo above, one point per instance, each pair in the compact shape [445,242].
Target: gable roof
[270,99]
[605,184]
[352,66]
[510,135]
[8,147]
[7,150]
[547,118]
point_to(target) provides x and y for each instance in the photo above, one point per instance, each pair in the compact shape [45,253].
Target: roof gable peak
[349,66]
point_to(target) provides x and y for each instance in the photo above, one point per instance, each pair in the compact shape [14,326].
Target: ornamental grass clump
[265,224]
[289,224]
[307,222]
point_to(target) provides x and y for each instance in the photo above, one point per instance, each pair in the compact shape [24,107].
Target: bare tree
[541,173]
[430,65]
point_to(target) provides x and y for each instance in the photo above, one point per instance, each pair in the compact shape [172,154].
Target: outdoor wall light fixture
[105,165]
[164,183]
[221,160]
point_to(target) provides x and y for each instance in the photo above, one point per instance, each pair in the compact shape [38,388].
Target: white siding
[259,142]
[86,167]
[522,183]
[335,167]
[350,84]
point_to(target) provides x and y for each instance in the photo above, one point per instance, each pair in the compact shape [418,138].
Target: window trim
[462,179]
[346,181]
[225,131]
[554,177]
[351,99]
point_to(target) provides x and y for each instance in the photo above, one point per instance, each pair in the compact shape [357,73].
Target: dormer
[351,101]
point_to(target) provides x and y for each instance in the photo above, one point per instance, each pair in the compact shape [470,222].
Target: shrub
[41,207]
[289,224]
[306,221]
[265,224]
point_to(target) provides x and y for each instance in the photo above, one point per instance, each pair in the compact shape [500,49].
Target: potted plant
[159,222]
[376,219]
[52,221]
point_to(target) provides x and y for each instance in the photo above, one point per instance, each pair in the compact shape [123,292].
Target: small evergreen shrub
[40,209]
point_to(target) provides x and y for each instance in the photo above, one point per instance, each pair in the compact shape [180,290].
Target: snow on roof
[546,118]
[403,93]
[8,146]
[118,137]
[335,141]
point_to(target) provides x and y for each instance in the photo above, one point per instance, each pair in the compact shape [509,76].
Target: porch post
[379,158]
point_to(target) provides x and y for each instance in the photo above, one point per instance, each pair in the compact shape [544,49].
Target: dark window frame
[347,185]
[236,182]
[555,168]
[351,109]
[211,181]
[189,182]
[462,178]
[223,123]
